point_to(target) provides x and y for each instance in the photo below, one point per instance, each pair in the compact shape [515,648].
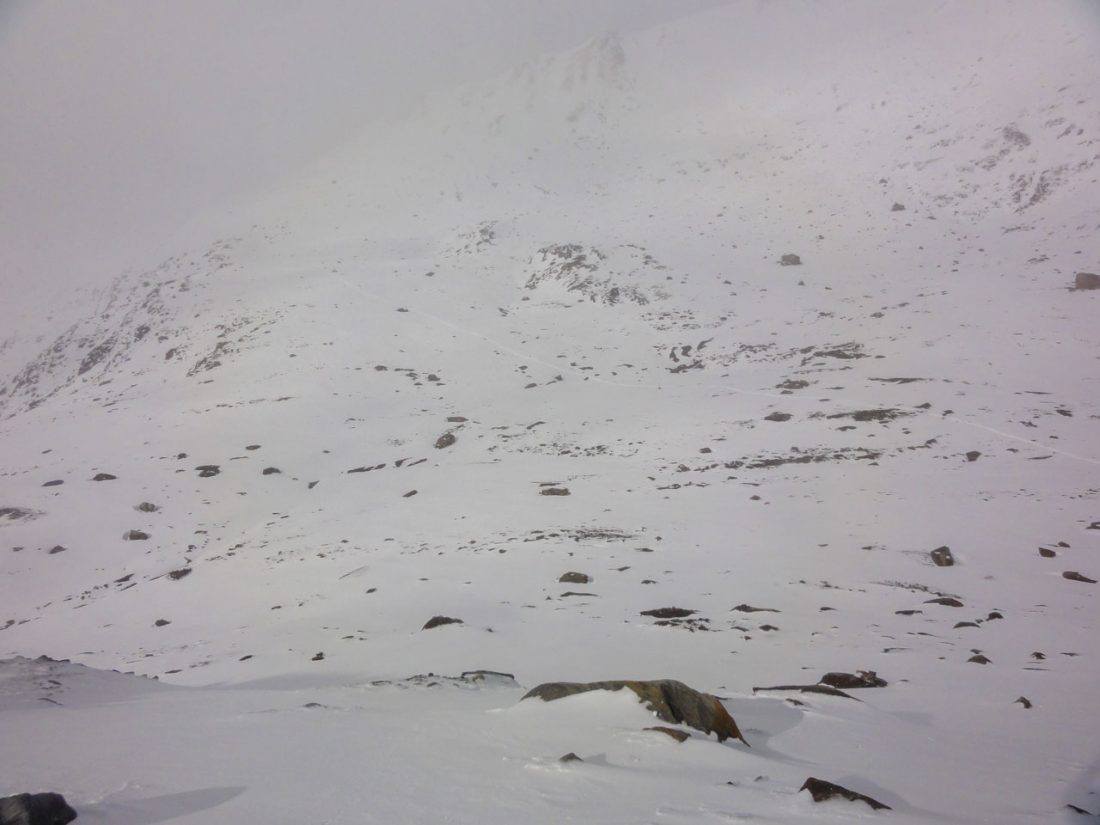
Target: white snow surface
[575,271]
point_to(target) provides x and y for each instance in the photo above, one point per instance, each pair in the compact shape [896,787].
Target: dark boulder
[942,557]
[1072,575]
[575,578]
[859,679]
[669,612]
[445,440]
[821,790]
[438,621]
[35,809]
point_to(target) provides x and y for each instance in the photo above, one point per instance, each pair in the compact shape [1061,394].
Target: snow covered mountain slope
[744,315]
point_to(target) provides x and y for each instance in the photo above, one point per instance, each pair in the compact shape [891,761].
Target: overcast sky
[121,118]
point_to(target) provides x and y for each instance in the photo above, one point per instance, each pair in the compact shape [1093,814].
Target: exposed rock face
[942,557]
[1086,280]
[821,790]
[672,701]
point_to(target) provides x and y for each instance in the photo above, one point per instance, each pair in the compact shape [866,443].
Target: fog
[122,119]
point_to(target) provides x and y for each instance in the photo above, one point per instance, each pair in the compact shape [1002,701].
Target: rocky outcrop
[670,700]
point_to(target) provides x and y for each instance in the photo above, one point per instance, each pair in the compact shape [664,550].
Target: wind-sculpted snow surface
[680,356]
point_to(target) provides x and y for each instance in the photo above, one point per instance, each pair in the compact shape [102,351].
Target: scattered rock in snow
[575,578]
[897,207]
[318,657]
[946,601]
[747,608]
[777,416]
[146,507]
[980,659]
[821,790]
[270,471]
[554,491]
[104,477]
[409,494]
[1086,280]
[570,757]
[57,482]
[1023,700]
[678,735]
[790,259]
[135,535]
[180,573]
[1047,553]
[825,690]
[973,455]
[161,622]
[793,384]
[669,612]
[942,557]
[437,621]
[445,440]
[1077,810]
[859,679]
[1073,575]
[208,470]
[253,447]
[672,701]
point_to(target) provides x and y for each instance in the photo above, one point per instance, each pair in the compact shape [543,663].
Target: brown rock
[1086,280]
[678,735]
[672,701]
[445,440]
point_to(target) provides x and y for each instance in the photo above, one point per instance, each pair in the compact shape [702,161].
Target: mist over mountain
[749,348]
